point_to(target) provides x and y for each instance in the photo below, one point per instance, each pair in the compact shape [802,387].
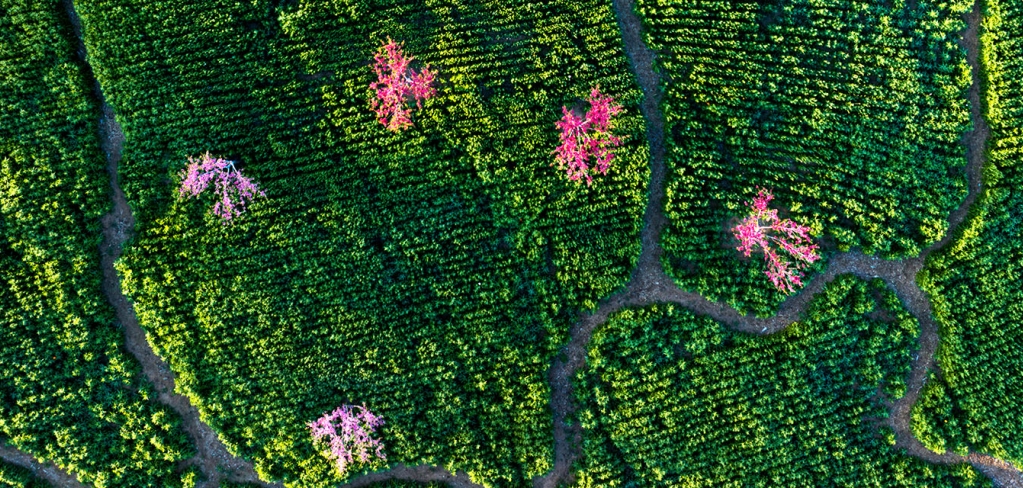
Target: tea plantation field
[442,274]
[975,285]
[851,111]
[69,394]
[429,274]
[674,399]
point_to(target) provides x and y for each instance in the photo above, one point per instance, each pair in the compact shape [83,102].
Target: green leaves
[69,394]
[852,112]
[672,398]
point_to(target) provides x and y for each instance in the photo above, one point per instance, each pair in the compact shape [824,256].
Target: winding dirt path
[46,472]
[420,473]
[649,284]
[212,456]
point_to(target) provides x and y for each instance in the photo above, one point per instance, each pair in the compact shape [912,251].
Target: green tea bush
[69,393]
[674,399]
[430,274]
[975,283]
[851,111]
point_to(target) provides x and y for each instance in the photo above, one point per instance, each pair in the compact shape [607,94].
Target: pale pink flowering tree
[232,188]
[587,145]
[397,86]
[347,433]
[763,229]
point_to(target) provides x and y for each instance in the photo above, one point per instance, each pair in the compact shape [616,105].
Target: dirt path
[46,472]
[421,473]
[118,226]
[649,284]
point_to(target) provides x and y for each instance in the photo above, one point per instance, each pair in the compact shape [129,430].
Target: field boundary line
[649,284]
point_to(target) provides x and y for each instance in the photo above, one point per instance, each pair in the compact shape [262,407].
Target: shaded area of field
[429,274]
[852,112]
[69,395]
[974,401]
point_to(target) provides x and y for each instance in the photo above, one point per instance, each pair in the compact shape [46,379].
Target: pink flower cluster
[756,231]
[232,188]
[397,86]
[587,140]
[348,433]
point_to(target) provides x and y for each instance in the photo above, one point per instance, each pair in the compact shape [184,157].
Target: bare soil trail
[420,473]
[649,284]
[212,456]
[46,472]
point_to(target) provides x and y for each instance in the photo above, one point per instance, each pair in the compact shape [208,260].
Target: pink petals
[232,188]
[348,434]
[586,142]
[397,86]
[762,229]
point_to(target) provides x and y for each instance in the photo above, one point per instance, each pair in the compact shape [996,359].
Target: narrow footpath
[46,472]
[650,285]
[212,457]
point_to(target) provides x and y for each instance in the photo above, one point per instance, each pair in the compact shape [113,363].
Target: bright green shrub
[69,393]
[975,284]
[430,274]
[674,399]
[850,111]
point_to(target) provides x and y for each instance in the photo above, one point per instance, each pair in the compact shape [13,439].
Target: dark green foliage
[936,419]
[430,274]
[850,111]
[673,399]
[68,392]
[976,284]
[12,476]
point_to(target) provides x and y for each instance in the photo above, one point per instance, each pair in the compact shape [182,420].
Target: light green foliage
[430,274]
[976,284]
[68,392]
[851,111]
[674,399]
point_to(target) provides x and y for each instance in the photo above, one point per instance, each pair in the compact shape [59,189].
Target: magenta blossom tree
[347,433]
[786,245]
[233,189]
[398,86]
[587,144]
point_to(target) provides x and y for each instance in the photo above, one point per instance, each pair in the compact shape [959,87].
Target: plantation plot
[69,394]
[428,273]
[674,399]
[975,283]
[851,112]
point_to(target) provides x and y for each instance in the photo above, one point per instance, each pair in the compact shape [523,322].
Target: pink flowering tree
[233,189]
[347,434]
[786,245]
[587,144]
[398,86]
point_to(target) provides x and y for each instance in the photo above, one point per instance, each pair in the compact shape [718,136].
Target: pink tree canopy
[347,432]
[397,86]
[786,244]
[233,189]
[587,145]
